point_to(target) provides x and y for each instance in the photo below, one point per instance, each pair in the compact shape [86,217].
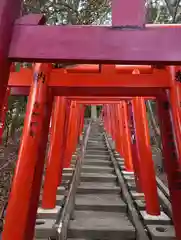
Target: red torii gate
[49,196]
[127,41]
[72,82]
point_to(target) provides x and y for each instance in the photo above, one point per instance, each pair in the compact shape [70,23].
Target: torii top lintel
[127,41]
[110,81]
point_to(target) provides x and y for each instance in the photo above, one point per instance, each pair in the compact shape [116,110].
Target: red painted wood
[126,137]
[107,91]
[75,43]
[55,156]
[25,183]
[159,78]
[37,180]
[22,91]
[144,151]
[33,19]
[9,11]
[128,13]
[172,158]
[96,91]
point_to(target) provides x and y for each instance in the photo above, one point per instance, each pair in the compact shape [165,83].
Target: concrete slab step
[95,137]
[59,199]
[100,202]
[77,239]
[97,169]
[97,153]
[101,157]
[67,176]
[68,170]
[101,188]
[96,140]
[101,225]
[96,147]
[103,150]
[97,162]
[96,177]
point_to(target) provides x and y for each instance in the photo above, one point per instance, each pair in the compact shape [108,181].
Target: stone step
[59,199]
[68,170]
[101,225]
[77,239]
[97,162]
[97,169]
[92,177]
[96,144]
[101,157]
[96,177]
[66,176]
[96,147]
[100,202]
[96,140]
[97,152]
[102,188]
[102,150]
[96,137]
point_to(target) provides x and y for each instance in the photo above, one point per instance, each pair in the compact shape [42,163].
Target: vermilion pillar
[120,130]
[55,155]
[112,119]
[146,162]
[74,130]
[25,177]
[82,119]
[71,131]
[174,98]
[105,118]
[126,137]
[117,133]
[135,156]
[109,120]
[171,156]
[36,184]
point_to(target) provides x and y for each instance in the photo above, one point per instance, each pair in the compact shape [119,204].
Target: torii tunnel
[67,92]
[118,67]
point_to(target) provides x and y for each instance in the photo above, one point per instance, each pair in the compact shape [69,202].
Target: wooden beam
[109,45]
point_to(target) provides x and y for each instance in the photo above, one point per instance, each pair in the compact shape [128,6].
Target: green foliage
[87,112]
[14,116]
[60,12]
[69,11]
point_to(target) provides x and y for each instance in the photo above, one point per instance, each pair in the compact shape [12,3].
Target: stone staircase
[99,212]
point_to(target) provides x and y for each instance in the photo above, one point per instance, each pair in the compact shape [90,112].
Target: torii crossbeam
[110,81]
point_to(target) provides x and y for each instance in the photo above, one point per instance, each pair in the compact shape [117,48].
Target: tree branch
[175,12]
[170,9]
